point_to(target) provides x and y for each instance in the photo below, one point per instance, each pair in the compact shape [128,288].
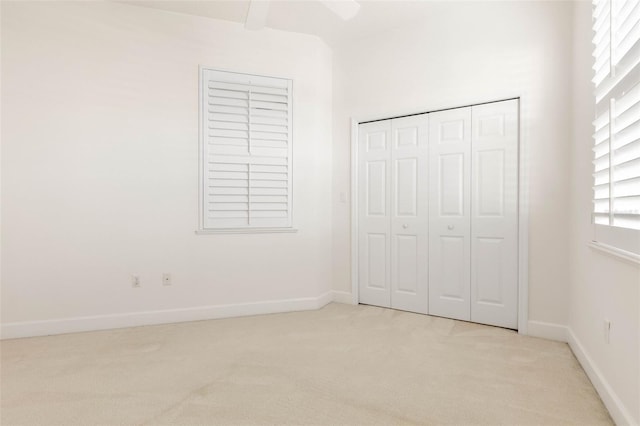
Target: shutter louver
[616,158]
[625,163]
[602,41]
[247,151]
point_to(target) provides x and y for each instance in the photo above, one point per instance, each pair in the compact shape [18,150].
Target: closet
[438,213]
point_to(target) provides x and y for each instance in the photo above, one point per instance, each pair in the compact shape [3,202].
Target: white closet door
[449,218]
[494,225]
[374,224]
[409,214]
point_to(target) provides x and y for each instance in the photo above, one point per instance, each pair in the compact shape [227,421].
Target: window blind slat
[601,149]
[231,94]
[627,170]
[602,59]
[227,191]
[229,199]
[627,31]
[627,221]
[237,134]
[269,198]
[228,102]
[601,135]
[600,7]
[270,128]
[627,140]
[601,27]
[238,87]
[224,167]
[256,112]
[213,214]
[269,191]
[269,97]
[263,105]
[229,110]
[601,218]
[601,73]
[601,177]
[601,163]
[601,206]
[271,121]
[229,175]
[627,187]
[226,206]
[627,153]
[229,125]
[228,118]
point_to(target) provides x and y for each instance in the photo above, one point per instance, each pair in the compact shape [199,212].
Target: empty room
[320,212]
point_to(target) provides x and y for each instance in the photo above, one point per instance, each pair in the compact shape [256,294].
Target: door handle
[450,227]
[405,226]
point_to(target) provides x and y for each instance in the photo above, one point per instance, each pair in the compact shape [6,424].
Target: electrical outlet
[135,281]
[607,330]
[166,279]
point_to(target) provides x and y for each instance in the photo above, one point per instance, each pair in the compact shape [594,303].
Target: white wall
[464,53]
[602,286]
[100,164]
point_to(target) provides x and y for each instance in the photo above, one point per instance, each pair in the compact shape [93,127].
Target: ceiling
[305,16]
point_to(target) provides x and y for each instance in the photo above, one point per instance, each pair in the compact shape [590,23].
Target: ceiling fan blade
[257,14]
[345,9]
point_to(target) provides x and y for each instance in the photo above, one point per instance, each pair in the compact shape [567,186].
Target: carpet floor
[350,365]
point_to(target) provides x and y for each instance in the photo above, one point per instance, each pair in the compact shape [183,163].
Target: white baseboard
[547,330]
[134,319]
[342,297]
[616,408]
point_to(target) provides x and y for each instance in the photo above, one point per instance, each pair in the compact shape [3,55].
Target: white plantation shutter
[616,186]
[246,151]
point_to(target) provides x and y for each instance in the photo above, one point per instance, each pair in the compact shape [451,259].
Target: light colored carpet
[339,365]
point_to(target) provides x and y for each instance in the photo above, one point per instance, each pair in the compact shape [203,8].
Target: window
[616,185]
[245,140]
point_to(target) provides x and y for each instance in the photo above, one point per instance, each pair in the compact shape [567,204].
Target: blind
[616,184]
[246,151]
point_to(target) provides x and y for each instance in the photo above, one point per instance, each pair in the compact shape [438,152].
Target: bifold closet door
[374,221]
[409,213]
[494,214]
[393,211]
[449,213]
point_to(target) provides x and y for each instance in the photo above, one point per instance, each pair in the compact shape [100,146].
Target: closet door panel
[494,225]
[374,239]
[449,218]
[409,214]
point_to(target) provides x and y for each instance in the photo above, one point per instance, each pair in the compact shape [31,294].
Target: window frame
[202,158]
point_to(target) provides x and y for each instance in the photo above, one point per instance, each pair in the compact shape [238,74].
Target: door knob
[405,226]
[450,227]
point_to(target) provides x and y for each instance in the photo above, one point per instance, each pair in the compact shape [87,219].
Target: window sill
[247,231]
[616,252]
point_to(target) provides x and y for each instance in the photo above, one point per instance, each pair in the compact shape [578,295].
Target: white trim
[615,406]
[354,211]
[547,330]
[135,319]
[614,251]
[247,231]
[201,69]
[342,297]
[523,211]
[523,219]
